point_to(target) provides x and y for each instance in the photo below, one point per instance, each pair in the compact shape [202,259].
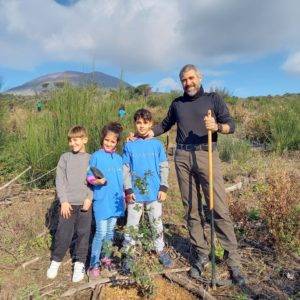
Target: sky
[249,47]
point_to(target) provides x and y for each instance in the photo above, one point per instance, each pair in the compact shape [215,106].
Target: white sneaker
[53,269]
[79,271]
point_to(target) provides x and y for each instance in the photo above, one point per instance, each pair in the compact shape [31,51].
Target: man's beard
[192,92]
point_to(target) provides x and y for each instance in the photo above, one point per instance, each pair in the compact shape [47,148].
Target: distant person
[39,106]
[75,199]
[121,112]
[108,199]
[189,112]
[145,158]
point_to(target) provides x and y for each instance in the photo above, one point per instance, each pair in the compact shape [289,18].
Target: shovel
[211,208]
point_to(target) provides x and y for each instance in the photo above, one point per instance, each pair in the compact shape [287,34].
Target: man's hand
[210,123]
[99,181]
[162,196]
[150,134]
[86,204]
[130,198]
[133,136]
[66,210]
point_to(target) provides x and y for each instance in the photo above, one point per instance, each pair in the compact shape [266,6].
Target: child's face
[143,127]
[110,141]
[77,144]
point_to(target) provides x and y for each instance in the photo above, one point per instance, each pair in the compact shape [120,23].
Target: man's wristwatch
[220,128]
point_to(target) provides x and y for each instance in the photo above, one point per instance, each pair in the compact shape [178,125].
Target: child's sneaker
[165,259]
[78,273]
[94,272]
[53,269]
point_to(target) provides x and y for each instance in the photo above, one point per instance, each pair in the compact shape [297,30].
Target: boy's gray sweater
[70,180]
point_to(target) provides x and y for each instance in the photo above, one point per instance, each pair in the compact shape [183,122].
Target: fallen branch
[97,292]
[6,202]
[14,179]
[234,187]
[118,278]
[30,262]
[40,177]
[189,285]
[7,267]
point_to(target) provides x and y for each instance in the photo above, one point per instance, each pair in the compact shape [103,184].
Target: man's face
[143,127]
[190,82]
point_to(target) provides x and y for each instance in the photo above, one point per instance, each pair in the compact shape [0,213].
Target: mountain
[56,80]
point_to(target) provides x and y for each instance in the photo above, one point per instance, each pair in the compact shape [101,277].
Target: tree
[143,90]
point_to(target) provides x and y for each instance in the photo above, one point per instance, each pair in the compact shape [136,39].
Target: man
[189,112]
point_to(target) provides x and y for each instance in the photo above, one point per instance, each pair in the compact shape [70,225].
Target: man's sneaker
[165,259]
[198,266]
[94,272]
[53,269]
[237,276]
[78,273]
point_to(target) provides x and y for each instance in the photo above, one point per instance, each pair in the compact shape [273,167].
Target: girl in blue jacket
[108,199]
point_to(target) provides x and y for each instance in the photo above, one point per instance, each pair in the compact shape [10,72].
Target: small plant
[141,182]
[253,214]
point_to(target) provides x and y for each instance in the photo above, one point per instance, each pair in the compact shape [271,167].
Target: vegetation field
[263,155]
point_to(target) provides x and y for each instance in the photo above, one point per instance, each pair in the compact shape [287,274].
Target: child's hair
[122,107]
[114,127]
[144,114]
[77,132]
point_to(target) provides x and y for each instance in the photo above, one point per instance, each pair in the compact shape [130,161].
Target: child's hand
[86,204]
[162,196]
[66,210]
[130,198]
[101,181]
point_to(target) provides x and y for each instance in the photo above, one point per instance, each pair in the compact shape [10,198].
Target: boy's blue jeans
[104,233]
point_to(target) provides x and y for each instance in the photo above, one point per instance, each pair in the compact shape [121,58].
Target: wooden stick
[234,187]
[14,179]
[92,284]
[97,292]
[211,207]
[30,262]
[196,289]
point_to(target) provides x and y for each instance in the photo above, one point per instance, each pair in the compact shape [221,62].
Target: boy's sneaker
[78,273]
[53,269]
[94,272]
[165,259]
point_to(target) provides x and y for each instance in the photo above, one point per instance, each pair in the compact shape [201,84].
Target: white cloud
[167,84]
[292,64]
[146,35]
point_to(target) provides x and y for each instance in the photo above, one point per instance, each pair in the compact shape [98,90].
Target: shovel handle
[210,167]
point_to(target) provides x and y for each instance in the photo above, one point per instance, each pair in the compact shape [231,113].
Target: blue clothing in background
[145,156]
[121,113]
[108,199]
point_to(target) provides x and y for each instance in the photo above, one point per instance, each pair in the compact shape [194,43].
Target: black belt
[193,147]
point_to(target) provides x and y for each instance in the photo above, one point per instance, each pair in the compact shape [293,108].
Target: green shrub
[285,129]
[279,207]
[231,148]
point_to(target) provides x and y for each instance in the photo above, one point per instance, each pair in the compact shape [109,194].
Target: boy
[75,198]
[146,170]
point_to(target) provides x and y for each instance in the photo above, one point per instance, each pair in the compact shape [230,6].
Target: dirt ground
[26,220]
